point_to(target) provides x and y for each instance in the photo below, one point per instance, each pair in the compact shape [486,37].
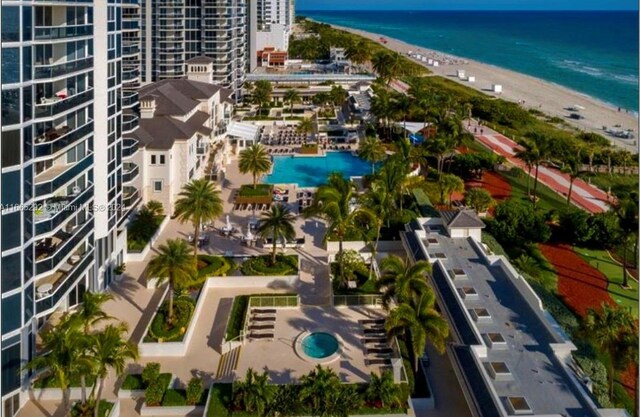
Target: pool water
[314,171]
[319,345]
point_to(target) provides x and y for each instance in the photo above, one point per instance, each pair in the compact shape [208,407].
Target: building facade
[273,25]
[62,101]
[174,31]
[182,133]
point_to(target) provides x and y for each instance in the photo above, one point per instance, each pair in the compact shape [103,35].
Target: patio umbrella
[228,223]
[249,235]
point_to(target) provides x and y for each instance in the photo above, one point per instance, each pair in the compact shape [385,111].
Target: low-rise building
[509,354]
[182,135]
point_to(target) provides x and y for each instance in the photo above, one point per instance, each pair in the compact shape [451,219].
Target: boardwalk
[584,195]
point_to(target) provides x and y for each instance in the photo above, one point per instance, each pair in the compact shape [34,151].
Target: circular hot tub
[318,346]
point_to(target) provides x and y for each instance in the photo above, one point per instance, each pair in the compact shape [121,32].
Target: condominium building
[174,31]
[272,25]
[61,146]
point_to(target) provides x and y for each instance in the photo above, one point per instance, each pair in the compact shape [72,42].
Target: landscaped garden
[239,308]
[263,265]
[144,225]
[319,393]
[158,393]
[163,329]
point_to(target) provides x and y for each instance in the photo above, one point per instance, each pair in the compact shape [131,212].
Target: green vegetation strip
[134,381]
[262,265]
[52,382]
[600,259]
[247,190]
[239,311]
[548,199]
[161,331]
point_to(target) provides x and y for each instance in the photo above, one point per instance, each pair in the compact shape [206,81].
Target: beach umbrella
[249,235]
[228,223]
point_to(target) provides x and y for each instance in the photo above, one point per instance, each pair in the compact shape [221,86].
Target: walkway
[584,195]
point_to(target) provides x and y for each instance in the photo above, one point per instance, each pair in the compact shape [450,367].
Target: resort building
[66,103]
[509,354]
[175,31]
[182,135]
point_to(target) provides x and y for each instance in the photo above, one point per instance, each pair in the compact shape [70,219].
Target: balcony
[201,150]
[54,140]
[131,49]
[129,147]
[130,196]
[55,177]
[129,99]
[53,106]
[65,68]
[129,172]
[62,280]
[53,250]
[62,32]
[129,122]
[130,24]
[130,75]
[53,212]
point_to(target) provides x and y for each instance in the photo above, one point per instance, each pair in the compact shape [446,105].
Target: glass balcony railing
[54,140]
[131,49]
[129,147]
[53,213]
[130,25]
[129,172]
[67,242]
[49,107]
[129,122]
[130,75]
[52,179]
[129,99]
[52,71]
[62,32]
[130,196]
[64,283]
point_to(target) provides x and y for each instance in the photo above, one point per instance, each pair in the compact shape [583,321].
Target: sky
[467,4]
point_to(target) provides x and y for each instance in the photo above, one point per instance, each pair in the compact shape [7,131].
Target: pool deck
[279,358]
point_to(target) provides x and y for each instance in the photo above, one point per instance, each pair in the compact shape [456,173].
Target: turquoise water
[595,53]
[314,171]
[319,345]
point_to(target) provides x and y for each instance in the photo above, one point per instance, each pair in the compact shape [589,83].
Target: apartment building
[182,134]
[63,107]
[272,25]
[174,31]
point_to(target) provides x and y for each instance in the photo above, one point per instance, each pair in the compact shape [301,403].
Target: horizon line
[467,10]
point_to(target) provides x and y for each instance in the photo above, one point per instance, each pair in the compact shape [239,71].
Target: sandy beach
[531,92]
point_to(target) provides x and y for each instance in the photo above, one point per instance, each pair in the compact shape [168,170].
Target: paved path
[584,195]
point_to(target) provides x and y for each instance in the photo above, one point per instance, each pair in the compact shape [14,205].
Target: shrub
[174,398]
[160,330]
[236,317]
[151,372]
[194,390]
[133,382]
[154,393]
[517,224]
[261,265]
[574,226]
[597,372]
[143,227]
[214,266]
[479,199]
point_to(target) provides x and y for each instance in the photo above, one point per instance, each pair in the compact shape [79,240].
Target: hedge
[214,266]
[236,316]
[261,265]
[183,311]
[135,382]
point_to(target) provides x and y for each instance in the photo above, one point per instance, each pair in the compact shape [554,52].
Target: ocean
[594,53]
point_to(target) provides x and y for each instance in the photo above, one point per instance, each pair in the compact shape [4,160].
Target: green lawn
[549,199]
[261,190]
[600,260]
[220,402]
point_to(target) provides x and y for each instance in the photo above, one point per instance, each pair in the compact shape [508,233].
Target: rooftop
[179,97]
[161,132]
[461,219]
[509,351]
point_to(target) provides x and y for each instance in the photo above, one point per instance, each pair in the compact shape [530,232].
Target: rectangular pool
[314,171]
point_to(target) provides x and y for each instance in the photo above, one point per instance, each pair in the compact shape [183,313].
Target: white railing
[372,300]
[274,301]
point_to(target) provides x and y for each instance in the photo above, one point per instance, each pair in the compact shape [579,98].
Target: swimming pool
[319,345]
[314,171]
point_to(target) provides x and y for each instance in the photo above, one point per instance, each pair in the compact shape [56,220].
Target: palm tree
[199,203]
[155,208]
[337,95]
[449,184]
[403,105]
[372,150]
[277,224]
[254,160]
[306,126]
[174,264]
[609,328]
[388,65]
[422,322]
[318,387]
[110,350]
[358,53]
[91,312]
[572,167]
[382,388]
[291,96]
[627,211]
[382,108]
[536,150]
[402,282]
[440,146]
[332,203]
[64,358]
[262,94]
[255,394]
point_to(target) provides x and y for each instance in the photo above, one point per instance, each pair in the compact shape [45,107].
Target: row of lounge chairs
[339,147]
[281,151]
[258,207]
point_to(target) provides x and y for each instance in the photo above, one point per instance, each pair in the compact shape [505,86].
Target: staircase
[228,363]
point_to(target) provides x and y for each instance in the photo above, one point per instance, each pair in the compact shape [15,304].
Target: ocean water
[595,53]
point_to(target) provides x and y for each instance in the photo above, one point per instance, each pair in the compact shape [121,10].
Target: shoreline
[533,93]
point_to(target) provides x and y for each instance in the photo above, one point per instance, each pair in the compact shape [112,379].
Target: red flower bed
[579,284]
[493,182]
